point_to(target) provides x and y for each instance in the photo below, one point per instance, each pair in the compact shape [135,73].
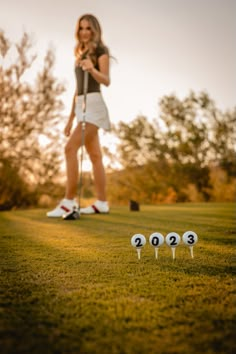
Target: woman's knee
[69,149]
[95,156]
[92,144]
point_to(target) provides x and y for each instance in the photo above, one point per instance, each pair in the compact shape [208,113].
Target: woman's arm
[102,75]
[71,117]
[72,111]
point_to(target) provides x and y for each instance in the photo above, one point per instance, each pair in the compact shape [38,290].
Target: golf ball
[173,239]
[138,240]
[190,238]
[156,239]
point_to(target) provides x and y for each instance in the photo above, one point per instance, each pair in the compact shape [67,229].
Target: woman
[91,55]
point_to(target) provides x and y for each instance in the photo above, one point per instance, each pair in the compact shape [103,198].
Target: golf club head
[72,215]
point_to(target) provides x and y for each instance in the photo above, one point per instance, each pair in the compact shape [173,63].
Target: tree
[198,132]
[177,151]
[30,114]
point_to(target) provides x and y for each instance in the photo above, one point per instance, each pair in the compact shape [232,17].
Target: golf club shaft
[83,125]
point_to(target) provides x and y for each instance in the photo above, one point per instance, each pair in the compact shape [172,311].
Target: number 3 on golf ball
[173,239]
[138,240]
[190,238]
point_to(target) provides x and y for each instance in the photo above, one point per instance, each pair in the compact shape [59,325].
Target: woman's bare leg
[94,150]
[72,166]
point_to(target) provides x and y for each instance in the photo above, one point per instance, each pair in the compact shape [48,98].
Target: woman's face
[85,31]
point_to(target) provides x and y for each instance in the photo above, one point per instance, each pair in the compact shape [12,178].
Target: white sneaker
[65,206]
[98,207]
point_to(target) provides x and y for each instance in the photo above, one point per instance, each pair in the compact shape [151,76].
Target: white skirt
[96,110]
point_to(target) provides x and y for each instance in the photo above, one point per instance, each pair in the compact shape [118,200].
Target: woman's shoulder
[101,49]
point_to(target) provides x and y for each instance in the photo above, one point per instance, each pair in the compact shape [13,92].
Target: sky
[161,47]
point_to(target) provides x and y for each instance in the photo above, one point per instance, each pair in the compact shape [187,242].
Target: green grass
[78,286]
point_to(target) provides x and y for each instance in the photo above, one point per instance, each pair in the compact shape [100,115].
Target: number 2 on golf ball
[190,238]
[138,240]
[173,239]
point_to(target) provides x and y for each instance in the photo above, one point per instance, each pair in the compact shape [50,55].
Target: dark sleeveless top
[93,85]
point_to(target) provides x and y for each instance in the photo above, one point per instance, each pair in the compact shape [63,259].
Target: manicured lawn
[71,287]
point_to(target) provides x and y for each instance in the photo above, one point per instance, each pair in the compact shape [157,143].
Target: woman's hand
[87,64]
[68,127]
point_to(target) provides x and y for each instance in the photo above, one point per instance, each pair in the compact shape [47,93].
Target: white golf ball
[190,238]
[173,239]
[156,239]
[138,240]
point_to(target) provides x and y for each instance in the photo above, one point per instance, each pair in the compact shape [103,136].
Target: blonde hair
[96,40]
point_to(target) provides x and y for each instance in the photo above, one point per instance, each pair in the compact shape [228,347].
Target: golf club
[75,213]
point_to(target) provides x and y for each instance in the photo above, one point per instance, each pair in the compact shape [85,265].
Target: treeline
[186,155]
[30,136]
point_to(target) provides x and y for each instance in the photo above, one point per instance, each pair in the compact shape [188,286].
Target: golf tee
[139,253]
[173,252]
[191,251]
